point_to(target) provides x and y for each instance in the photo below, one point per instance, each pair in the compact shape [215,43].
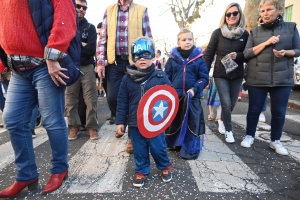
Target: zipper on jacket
[143,88]
[272,61]
[231,51]
[184,69]
[184,77]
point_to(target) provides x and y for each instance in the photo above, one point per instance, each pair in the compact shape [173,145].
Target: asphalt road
[102,170]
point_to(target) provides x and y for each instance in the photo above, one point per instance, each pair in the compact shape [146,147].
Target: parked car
[296,73]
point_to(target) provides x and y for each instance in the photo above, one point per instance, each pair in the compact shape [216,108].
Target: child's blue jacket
[185,74]
[130,94]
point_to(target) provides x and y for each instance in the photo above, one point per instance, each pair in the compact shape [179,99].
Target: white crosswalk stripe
[6,154]
[295,118]
[263,133]
[99,166]
[218,169]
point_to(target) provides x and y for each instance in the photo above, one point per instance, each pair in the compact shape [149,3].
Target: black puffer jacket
[222,46]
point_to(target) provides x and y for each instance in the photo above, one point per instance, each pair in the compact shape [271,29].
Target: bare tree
[164,43]
[186,12]
[252,12]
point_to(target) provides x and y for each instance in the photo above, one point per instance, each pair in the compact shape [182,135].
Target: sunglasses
[80,6]
[235,13]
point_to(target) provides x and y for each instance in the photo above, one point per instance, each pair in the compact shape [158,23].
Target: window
[288,13]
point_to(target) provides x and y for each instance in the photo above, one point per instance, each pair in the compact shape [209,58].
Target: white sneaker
[247,141]
[262,118]
[229,137]
[221,128]
[279,148]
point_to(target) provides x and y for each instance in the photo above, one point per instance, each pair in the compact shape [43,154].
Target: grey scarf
[232,32]
[140,76]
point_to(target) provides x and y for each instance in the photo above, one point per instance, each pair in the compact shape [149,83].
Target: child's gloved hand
[191,91]
[120,129]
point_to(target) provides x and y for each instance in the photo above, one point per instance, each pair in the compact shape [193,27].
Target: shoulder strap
[85,30]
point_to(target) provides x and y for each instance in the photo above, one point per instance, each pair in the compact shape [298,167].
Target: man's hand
[55,72]
[120,129]
[101,71]
[83,44]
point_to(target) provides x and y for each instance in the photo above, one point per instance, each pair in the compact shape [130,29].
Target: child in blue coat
[141,77]
[188,74]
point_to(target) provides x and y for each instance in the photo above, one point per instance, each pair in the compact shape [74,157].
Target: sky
[162,23]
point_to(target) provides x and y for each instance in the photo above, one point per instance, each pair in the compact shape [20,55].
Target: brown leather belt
[122,57]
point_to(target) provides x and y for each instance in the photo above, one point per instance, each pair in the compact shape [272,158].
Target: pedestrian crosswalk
[7,155]
[263,133]
[219,169]
[100,166]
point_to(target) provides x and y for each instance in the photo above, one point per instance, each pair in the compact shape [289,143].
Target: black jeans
[113,78]
[228,90]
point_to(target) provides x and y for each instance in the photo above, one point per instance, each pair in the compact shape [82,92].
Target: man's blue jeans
[35,114]
[2,98]
[141,147]
[279,99]
[27,89]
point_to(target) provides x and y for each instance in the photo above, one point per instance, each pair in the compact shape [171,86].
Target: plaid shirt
[122,34]
[28,62]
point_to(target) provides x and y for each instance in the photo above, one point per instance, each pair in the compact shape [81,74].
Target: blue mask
[142,48]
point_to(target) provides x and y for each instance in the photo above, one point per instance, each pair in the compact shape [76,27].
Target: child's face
[185,41]
[143,63]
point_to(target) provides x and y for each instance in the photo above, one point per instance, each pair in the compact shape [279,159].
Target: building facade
[291,11]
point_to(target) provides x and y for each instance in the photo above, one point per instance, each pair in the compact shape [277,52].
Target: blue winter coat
[185,74]
[130,94]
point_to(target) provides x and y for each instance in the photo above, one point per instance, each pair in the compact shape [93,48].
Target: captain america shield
[156,110]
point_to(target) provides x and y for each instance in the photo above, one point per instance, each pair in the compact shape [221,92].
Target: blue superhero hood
[142,48]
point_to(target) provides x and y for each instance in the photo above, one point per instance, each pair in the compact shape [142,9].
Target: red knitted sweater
[18,34]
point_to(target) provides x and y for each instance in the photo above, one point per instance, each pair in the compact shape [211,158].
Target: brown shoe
[129,148]
[93,134]
[73,133]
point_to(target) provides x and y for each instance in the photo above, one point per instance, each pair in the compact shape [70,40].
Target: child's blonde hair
[184,30]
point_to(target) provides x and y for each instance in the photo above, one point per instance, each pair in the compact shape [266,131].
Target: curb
[3,131]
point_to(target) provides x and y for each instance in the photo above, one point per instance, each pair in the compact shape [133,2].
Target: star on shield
[160,110]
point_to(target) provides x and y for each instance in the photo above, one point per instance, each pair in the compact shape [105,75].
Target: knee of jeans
[253,112]
[280,116]
[10,120]
[53,124]
[226,107]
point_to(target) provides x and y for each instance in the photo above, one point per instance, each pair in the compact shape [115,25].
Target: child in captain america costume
[188,74]
[141,77]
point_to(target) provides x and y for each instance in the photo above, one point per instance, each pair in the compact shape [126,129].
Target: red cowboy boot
[17,187]
[55,182]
